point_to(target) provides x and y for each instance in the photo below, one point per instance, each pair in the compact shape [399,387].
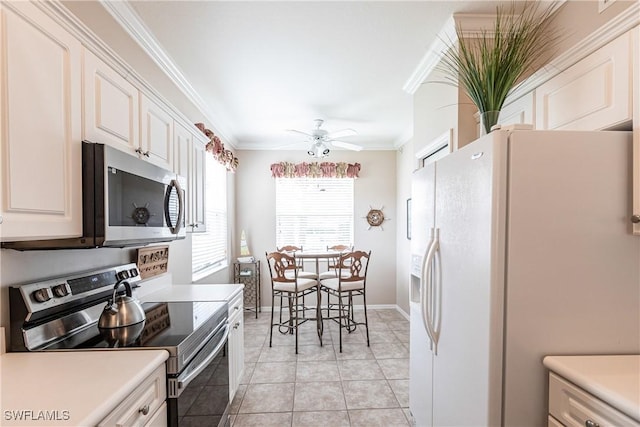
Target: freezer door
[470,208]
[420,383]
[422,215]
[420,371]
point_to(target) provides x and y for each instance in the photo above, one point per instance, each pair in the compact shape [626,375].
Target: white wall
[405,165]
[376,187]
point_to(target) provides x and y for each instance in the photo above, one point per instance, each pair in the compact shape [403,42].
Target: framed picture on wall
[409,219]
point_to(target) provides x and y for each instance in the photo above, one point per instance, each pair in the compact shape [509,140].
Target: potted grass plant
[488,64]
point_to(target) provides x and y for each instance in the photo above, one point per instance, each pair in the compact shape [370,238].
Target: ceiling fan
[321,140]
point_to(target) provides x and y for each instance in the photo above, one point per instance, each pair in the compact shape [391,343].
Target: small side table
[248,273]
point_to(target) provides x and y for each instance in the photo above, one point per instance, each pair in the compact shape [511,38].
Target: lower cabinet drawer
[572,406]
[141,405]
[236,305]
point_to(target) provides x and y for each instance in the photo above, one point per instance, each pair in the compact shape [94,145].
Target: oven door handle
[184,382]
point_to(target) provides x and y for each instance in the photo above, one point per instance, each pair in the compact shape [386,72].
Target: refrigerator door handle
[436,292]
[426,301]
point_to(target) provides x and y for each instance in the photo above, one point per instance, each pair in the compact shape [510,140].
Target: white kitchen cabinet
[571,406]
[236,344]
[156,139]
[520,111]
[116,113]
[159,419]
[40,126]
[189,162]
[141,407]
[197,180]
[593,94]
[182,140]
[111,106]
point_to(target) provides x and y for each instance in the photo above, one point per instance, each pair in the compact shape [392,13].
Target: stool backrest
[291,250]
[353,266]
[280,262]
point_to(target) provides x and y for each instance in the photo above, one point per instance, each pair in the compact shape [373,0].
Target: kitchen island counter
[70,388]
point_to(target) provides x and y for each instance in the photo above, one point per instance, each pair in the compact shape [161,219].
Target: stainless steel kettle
[121,310]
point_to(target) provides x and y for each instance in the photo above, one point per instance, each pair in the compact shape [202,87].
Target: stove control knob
[133,272]
[61,290]
[42,295]
[122,275]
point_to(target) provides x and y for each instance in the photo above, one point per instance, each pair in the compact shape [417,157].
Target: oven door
[199,395]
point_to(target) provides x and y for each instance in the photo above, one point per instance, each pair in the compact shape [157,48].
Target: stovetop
[167,325]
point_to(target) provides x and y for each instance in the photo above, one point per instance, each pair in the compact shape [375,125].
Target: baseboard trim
[358,307]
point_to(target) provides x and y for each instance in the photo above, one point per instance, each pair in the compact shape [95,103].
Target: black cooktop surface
[167,325]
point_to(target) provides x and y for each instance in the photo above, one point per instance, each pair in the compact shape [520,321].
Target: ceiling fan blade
[341,133]
[300,132]
[346,145]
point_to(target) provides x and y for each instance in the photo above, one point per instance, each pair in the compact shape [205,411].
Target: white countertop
[194,292]
[613,379]
[81,386]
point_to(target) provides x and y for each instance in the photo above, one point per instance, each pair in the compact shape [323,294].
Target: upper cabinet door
[182,140]
[189,161]
[593,94]
[111,106]
[520,111]
[197,180]
[156,143]
[40,156]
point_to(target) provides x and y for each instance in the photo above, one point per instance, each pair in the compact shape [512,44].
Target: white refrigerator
[521,247]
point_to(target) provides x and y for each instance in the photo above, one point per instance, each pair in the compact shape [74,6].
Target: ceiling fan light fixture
[318,150]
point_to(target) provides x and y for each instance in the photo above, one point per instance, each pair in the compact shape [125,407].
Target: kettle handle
[112,303]
[126,285]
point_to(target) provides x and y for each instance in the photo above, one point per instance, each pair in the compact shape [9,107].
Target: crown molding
[128,19]
[430,59]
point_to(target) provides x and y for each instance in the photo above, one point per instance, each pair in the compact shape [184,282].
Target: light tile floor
[362,386]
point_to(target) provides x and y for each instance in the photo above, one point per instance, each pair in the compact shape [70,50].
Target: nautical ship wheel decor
[375,218]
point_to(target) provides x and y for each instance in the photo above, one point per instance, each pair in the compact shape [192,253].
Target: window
[209,249]
[436,149]
[314,212]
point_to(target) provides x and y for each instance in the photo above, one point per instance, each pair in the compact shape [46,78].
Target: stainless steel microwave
[126,201]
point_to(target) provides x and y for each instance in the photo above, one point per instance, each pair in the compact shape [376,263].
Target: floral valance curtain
[216,148]
[315,170]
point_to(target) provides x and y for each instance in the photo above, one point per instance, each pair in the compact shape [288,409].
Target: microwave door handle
[175,228]
[181,207]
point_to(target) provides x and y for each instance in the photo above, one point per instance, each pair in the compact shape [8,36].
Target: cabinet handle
[590,423]
[144,410]
[146,154]
[238,324]
[236,308]
[139,151]
[635,219]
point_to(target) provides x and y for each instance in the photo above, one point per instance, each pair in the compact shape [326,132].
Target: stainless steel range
[61,314]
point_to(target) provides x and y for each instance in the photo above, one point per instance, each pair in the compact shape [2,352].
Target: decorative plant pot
[487,120]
